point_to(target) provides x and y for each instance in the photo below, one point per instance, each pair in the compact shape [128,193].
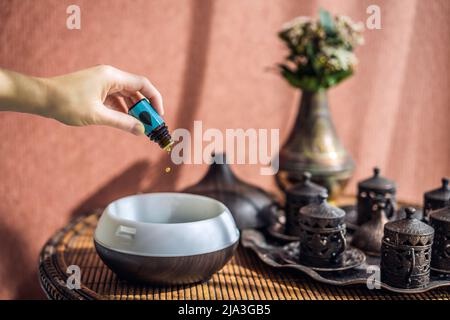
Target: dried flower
[321,51]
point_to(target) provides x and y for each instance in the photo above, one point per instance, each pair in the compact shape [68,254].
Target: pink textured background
[211,60]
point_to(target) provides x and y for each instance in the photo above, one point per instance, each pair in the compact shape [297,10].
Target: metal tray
[277,255]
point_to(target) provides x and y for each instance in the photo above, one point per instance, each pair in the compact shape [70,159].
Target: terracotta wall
[211,60]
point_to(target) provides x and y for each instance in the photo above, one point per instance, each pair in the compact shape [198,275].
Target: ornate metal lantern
[298,196]
[440,258]
[322,234]
[371,188]
[436,199]
[406,252]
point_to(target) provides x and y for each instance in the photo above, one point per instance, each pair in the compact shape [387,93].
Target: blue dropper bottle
[155,127]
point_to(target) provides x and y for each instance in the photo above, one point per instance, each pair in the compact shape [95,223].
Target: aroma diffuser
[166,238]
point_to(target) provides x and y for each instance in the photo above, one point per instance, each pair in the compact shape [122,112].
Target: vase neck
[314,99]
[312,104]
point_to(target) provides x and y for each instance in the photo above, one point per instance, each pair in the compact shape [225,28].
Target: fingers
[119,120]
[117,102]
[130,99]
[128,83]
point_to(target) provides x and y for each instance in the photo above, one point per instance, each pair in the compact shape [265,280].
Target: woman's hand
[100,95]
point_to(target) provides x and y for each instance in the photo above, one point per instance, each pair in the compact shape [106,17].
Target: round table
[244,277]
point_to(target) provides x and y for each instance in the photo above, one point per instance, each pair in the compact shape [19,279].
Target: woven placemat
[244,277]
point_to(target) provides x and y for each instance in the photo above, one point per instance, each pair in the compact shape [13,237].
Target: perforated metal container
[322,234]
[297,196]
[372,188]
[440,258]
[406,252]
[436,198]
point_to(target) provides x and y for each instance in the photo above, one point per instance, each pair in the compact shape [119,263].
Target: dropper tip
[168,147]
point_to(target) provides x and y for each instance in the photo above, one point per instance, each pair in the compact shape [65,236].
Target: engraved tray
[279,255]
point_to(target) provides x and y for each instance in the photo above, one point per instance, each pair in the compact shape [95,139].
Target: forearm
[23,93]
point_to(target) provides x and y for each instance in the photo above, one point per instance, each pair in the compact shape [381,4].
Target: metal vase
[314,146]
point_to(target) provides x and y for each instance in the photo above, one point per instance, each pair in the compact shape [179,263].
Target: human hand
[100,95]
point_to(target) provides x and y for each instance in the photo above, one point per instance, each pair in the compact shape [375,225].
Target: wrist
[41,96]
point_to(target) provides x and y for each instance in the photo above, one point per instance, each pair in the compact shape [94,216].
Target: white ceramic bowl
[168,238]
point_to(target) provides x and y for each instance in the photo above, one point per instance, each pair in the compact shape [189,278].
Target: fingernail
[138,129]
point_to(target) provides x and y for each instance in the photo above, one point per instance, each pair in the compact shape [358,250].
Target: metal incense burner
[440,258]
[369,189]
[436,199]
[406,252]
[298,196]
[322,234]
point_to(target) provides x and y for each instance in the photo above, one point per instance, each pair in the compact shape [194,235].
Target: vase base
[334,183]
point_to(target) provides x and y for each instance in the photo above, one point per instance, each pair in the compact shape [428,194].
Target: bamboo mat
[244,277]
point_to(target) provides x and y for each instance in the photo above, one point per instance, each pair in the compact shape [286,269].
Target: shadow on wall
[126,183]
[18,270]
[197,55]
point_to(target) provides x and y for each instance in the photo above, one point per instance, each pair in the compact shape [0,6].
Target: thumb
[119,120]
